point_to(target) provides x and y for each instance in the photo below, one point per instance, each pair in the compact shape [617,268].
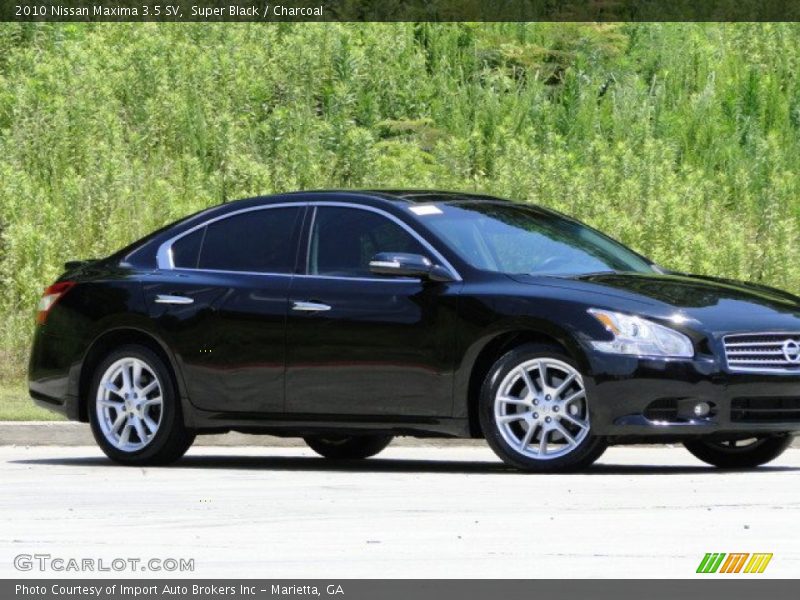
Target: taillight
[51,295]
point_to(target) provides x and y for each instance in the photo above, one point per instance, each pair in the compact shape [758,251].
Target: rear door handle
[170,299]
[310,306]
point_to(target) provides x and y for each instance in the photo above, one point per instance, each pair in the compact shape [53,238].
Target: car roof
[397,196]
[426,196]
[146,247]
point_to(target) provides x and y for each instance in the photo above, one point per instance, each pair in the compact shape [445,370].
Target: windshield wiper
[580,275]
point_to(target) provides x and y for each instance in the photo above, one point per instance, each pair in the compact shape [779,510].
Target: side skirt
[297,425]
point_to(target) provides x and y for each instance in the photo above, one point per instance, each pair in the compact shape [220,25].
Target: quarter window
[344,240]
[186,250]
[259,240]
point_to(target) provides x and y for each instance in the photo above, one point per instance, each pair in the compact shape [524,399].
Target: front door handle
[170,299]
[310,306]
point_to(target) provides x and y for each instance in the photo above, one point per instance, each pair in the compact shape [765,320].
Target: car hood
[720,305]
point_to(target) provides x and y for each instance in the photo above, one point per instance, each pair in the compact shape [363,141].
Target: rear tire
[134,409]
[729,455]
[348,447]
[534,411]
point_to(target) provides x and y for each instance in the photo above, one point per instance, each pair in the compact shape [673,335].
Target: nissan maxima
[350,317]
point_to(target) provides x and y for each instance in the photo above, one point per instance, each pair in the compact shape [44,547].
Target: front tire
[348,447]
[739,454]
[534,411]
[134,409]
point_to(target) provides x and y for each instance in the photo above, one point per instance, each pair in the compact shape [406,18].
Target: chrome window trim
[164,258]
[224,272]
[311,224]
[765,369]
[297,275]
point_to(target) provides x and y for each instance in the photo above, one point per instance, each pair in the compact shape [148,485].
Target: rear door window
[259,241]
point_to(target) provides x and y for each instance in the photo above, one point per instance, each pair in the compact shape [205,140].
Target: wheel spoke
[121,418]
[512,400]
[503,419]
[526,439]
[526,377]
[125,436]
[151,425]
[126,379]
[148,388]
[543,442]
[152,402]
[563,431]
[137,424]
[564,385]
[136,371]
[116,404]
[543,375]
[568,417]
[112,388]
[577,395]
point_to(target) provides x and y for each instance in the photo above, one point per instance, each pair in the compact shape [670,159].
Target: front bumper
[623,390]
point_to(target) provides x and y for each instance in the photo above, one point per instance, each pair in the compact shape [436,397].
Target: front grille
[760,410]
[763,351]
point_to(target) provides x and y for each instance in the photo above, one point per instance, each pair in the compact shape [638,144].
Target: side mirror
[401,264]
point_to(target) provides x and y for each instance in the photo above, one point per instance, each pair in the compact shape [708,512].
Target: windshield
[516,239]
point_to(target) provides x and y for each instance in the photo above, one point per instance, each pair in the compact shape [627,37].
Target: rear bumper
[53,373]
[646,398]
[66,406]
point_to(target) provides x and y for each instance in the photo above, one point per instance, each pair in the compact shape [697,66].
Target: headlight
[638,336]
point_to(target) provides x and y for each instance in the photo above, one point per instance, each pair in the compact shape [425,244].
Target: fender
[499,337]
[132,326]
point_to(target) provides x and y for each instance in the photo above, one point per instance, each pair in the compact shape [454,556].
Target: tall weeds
[679,139]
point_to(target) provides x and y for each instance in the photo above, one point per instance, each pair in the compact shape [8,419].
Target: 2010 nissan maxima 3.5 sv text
[349,317]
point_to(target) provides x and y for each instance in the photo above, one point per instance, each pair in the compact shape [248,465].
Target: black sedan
[350,317]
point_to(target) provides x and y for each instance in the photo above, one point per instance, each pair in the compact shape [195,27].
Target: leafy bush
[681,140]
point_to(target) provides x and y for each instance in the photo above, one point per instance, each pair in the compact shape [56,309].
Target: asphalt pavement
[450,512]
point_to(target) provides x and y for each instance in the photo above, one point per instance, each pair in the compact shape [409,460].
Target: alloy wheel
[540,409]
[129,404]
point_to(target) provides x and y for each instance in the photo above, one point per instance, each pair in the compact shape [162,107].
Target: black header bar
[707,588]
[397,10]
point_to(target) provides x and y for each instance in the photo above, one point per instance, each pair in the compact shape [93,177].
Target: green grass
[16,405]
[680,139]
